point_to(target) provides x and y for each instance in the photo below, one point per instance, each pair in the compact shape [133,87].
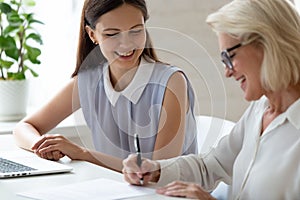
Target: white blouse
[257,166]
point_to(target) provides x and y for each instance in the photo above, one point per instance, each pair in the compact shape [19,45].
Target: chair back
[210,131]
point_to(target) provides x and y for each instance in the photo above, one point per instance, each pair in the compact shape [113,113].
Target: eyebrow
[116,29]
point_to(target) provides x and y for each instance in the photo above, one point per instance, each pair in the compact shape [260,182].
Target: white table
[82,171]
[210,130]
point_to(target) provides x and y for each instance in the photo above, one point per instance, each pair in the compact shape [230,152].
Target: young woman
[122,88]
[260,46]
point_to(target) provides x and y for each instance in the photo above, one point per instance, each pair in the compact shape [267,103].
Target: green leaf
[30,18]
[16,76]
[35,37]
[15,2]
[12,53]
[5,8]
[34,74]
[10,29]
[6,64]
[34,21]
[7,42]
[14,20]
[29,2]
[32,54]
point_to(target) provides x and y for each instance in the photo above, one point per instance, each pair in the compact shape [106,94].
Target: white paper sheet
[91,190]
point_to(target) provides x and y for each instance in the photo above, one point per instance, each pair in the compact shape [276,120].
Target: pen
[138,153]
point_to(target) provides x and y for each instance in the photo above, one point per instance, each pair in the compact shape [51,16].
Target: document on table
[92,190]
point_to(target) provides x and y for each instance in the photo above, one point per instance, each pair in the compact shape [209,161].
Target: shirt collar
[135,88]
[293,114]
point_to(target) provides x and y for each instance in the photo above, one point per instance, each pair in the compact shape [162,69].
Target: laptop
[23,163]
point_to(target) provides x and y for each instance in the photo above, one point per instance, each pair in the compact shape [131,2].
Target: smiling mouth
[242,81]
[125,54]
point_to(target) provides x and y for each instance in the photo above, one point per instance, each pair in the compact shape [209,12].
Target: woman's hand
[148,172]
[54,147]
[184,189]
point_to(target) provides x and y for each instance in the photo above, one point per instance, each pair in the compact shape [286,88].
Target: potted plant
[17,56]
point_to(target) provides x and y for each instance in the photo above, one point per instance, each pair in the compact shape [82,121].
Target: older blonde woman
[260,47]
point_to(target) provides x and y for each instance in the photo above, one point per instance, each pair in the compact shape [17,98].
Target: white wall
[58,58]
[192,45]
[178,30]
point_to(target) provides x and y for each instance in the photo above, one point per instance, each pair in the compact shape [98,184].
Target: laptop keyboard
[10,166]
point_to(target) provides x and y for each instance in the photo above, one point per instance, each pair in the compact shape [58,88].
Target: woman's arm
[29,130]
[171,130]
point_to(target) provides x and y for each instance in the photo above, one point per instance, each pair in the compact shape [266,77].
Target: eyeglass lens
[226,58]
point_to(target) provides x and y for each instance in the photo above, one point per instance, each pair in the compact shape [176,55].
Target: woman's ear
[91,34]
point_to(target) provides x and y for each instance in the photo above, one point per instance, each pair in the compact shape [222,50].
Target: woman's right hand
[148,172]
[54,147]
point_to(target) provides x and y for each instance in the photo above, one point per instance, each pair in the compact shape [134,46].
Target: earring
[95,43]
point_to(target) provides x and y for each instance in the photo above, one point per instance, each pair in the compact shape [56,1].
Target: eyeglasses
[226,57]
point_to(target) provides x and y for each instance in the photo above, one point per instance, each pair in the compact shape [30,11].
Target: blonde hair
[272,24]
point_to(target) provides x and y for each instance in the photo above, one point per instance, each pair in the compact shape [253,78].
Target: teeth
[126,53]
[243,79]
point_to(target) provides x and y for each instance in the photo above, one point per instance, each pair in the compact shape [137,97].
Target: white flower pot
[13,100]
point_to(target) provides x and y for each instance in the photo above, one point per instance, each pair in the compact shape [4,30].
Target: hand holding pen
[137,171]
[138,152]
[148,172]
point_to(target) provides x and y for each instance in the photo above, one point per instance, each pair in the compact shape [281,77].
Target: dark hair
[91,11]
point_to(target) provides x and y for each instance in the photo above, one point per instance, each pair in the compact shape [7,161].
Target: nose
[125,40]
[228,72]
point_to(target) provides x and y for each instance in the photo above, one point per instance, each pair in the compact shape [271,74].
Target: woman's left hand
[184,189]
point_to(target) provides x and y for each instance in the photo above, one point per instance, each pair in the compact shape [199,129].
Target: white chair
[210,130]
